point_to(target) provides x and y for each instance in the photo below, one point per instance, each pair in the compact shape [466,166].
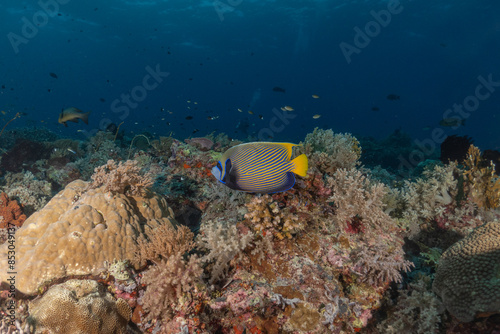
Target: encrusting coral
[80,229]
[79,306]
[468,274]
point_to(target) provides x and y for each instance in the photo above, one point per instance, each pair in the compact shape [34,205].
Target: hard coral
[328,151]
[80,229]
[122,178]
[76,307]
[11,213]
[266,215]
[467,278]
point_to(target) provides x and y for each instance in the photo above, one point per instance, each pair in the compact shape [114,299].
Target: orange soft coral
[10,212]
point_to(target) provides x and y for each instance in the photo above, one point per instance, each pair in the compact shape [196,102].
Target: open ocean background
[224,55]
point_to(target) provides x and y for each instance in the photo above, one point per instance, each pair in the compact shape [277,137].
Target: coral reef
[79,306]
[467,275]
[28,190]
[330,255]
[78,230]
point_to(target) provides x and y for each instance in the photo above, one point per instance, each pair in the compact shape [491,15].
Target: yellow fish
[260,167]
[316,116]
[73,115]
[314,96]
[288,108]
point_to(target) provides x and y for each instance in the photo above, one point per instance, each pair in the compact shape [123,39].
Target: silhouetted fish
[279,89]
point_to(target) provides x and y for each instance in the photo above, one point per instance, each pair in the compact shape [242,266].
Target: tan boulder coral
[77,307]
[468,275]
[81,230]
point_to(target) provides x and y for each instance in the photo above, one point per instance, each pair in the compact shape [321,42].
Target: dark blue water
[229,55]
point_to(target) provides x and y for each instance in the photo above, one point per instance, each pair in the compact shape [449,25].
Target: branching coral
[428,197]
[377,255]
[168,283]
[223,242]
[483,183]
[164,241]
[265,215]
[328,151]
[418,311]
[172,276]
[122,178]
[356,197]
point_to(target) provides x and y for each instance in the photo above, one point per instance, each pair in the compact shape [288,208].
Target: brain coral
[80,229]
[79,307]
[468,275]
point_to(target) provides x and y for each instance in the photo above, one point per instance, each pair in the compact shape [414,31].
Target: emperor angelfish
[260,167]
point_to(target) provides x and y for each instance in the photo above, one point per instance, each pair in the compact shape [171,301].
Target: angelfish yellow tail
[300,165]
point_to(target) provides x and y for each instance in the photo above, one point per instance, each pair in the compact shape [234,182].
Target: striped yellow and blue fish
[260,167]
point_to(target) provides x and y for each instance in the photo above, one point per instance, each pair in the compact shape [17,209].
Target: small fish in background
[279,90]
[452,122]
[287,108]
[260,167]
[52,74]
[393,97]
[375,108]
[316,116]
[314,96]
[73,114]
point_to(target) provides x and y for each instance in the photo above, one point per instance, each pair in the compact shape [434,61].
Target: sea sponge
[80,229]
[11,213]
[77,307]
[468,274]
